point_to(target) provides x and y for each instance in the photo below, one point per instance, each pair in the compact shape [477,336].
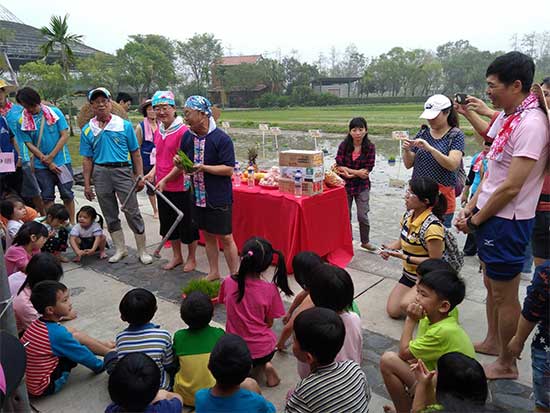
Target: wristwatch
[471,226]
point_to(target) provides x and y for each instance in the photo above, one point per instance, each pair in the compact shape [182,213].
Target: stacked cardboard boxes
[310,164]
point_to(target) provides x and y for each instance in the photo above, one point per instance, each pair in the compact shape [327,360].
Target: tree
[197,55]
[353,63]
[58,37]
[297,73]
[99,69]
[48,80]
[273,74]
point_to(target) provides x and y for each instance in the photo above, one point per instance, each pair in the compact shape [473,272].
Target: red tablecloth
[317,223]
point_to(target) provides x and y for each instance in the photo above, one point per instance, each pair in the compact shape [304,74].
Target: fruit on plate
[257,176]
[272,177]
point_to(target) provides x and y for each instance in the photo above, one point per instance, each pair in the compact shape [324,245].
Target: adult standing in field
[145,132]
[174,185]
[45,132]
[105,142]
[355,160]
[502,212]
[124,100]
[436,151]
[213,154]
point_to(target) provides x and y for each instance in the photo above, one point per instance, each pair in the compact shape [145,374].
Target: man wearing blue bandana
[107,143]
[213,154]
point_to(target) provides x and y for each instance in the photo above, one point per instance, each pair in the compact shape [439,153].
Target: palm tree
[58,36]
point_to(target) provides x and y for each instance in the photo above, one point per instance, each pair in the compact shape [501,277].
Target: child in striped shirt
[137,308]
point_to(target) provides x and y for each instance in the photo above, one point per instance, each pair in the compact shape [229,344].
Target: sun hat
[434,105]
[94,93]
[163,97]
[7,87]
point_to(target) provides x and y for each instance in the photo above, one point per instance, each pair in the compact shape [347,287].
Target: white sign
[315,133]
[7,162]
[226,125]
[275,130]
[264,127]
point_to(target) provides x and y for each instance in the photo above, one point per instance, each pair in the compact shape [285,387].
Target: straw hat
[86,113]
[7,87]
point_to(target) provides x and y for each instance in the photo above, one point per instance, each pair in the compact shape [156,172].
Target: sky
[276,28]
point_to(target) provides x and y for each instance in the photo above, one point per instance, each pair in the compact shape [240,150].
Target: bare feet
[271,377]
[212,277]
[497,370]
[174,262]
[190,265]
[485,347]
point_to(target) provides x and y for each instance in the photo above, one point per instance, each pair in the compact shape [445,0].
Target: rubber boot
[120,246]
[142,252]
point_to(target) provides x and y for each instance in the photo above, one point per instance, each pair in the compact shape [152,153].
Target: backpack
[452,254]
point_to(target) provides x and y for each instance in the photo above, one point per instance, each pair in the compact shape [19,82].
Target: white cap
[434,105]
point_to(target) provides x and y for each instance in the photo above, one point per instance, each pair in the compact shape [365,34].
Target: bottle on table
[250,176]
[237,174]
[298,184]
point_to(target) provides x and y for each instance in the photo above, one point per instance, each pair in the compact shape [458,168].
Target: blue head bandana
[163,97]
[199,103]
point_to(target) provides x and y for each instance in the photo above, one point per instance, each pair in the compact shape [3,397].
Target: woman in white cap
[437,150]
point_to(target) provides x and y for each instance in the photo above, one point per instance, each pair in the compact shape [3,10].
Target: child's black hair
[42,267]
[134,382]
[426,189]
[461,383]
[433,264]
[196,310]
[27,230]
[6,208]
[92,213]
[303,263]
[230,361]
[44,294]
[446,284]
[321,332]
[58,211]
[138,306]
[256,257]
[332,287]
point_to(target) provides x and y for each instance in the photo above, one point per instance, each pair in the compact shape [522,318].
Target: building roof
[237,60]
[335,80]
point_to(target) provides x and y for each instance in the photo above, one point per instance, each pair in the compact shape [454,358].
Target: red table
[317,223]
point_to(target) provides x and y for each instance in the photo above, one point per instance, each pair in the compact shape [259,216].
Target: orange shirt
[29,216]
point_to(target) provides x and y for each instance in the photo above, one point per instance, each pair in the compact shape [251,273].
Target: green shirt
[424,322]
[440,338]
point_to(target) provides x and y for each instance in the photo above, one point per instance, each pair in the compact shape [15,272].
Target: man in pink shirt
[502,211]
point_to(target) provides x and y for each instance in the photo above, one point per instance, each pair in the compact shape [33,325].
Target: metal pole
[19,401]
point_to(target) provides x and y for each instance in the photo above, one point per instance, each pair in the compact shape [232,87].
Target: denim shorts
[48,180]
[540,363]
[29,188]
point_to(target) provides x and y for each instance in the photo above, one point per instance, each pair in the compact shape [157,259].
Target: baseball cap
[13,361]
[230,360]
[98,91]
[434,105]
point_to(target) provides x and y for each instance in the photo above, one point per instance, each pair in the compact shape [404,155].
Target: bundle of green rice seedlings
[86,113]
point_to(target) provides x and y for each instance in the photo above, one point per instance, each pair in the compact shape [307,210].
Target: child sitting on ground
[56,222]
[14,210]
[87,236]
[193,345]
[134,387]
[438,292]
[137,308]
[331,387]
[332,287]
[461,385]
[303,264]
[253,303]
[536,312]
[30,238]
[230,363]
[51,349]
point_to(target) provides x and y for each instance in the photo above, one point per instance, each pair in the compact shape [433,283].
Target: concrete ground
[97,287]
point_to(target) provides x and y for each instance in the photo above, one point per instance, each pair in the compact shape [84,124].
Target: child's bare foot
[389,409]
[498,370]
[174,262]
[190,265]
[271,377]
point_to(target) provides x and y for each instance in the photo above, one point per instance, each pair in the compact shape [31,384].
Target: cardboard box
[308,188]
[309,174]
[301,158]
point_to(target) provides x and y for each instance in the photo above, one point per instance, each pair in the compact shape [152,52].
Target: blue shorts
[29,187]
[540,362]
[48,180]
[501,245]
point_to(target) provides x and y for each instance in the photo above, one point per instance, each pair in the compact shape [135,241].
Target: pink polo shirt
[16,258]
[531,140]
[166,148]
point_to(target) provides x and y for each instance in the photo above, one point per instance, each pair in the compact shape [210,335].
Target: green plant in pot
[210,288]
[391,160]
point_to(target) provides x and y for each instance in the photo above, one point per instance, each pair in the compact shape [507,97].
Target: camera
[460,98]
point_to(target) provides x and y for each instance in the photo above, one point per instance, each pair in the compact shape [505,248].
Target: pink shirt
[166,148]
[247,319]
[16,258]
[24,311]
[15,281]
[531,140]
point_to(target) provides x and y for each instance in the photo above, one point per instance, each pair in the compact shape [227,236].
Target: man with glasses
[106,140]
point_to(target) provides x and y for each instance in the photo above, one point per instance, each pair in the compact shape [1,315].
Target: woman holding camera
[437,150]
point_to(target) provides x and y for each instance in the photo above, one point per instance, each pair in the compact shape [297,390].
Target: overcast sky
[277,27]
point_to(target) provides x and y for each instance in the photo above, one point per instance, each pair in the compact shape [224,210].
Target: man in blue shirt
[10,182]
[107,143]
[44,131]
